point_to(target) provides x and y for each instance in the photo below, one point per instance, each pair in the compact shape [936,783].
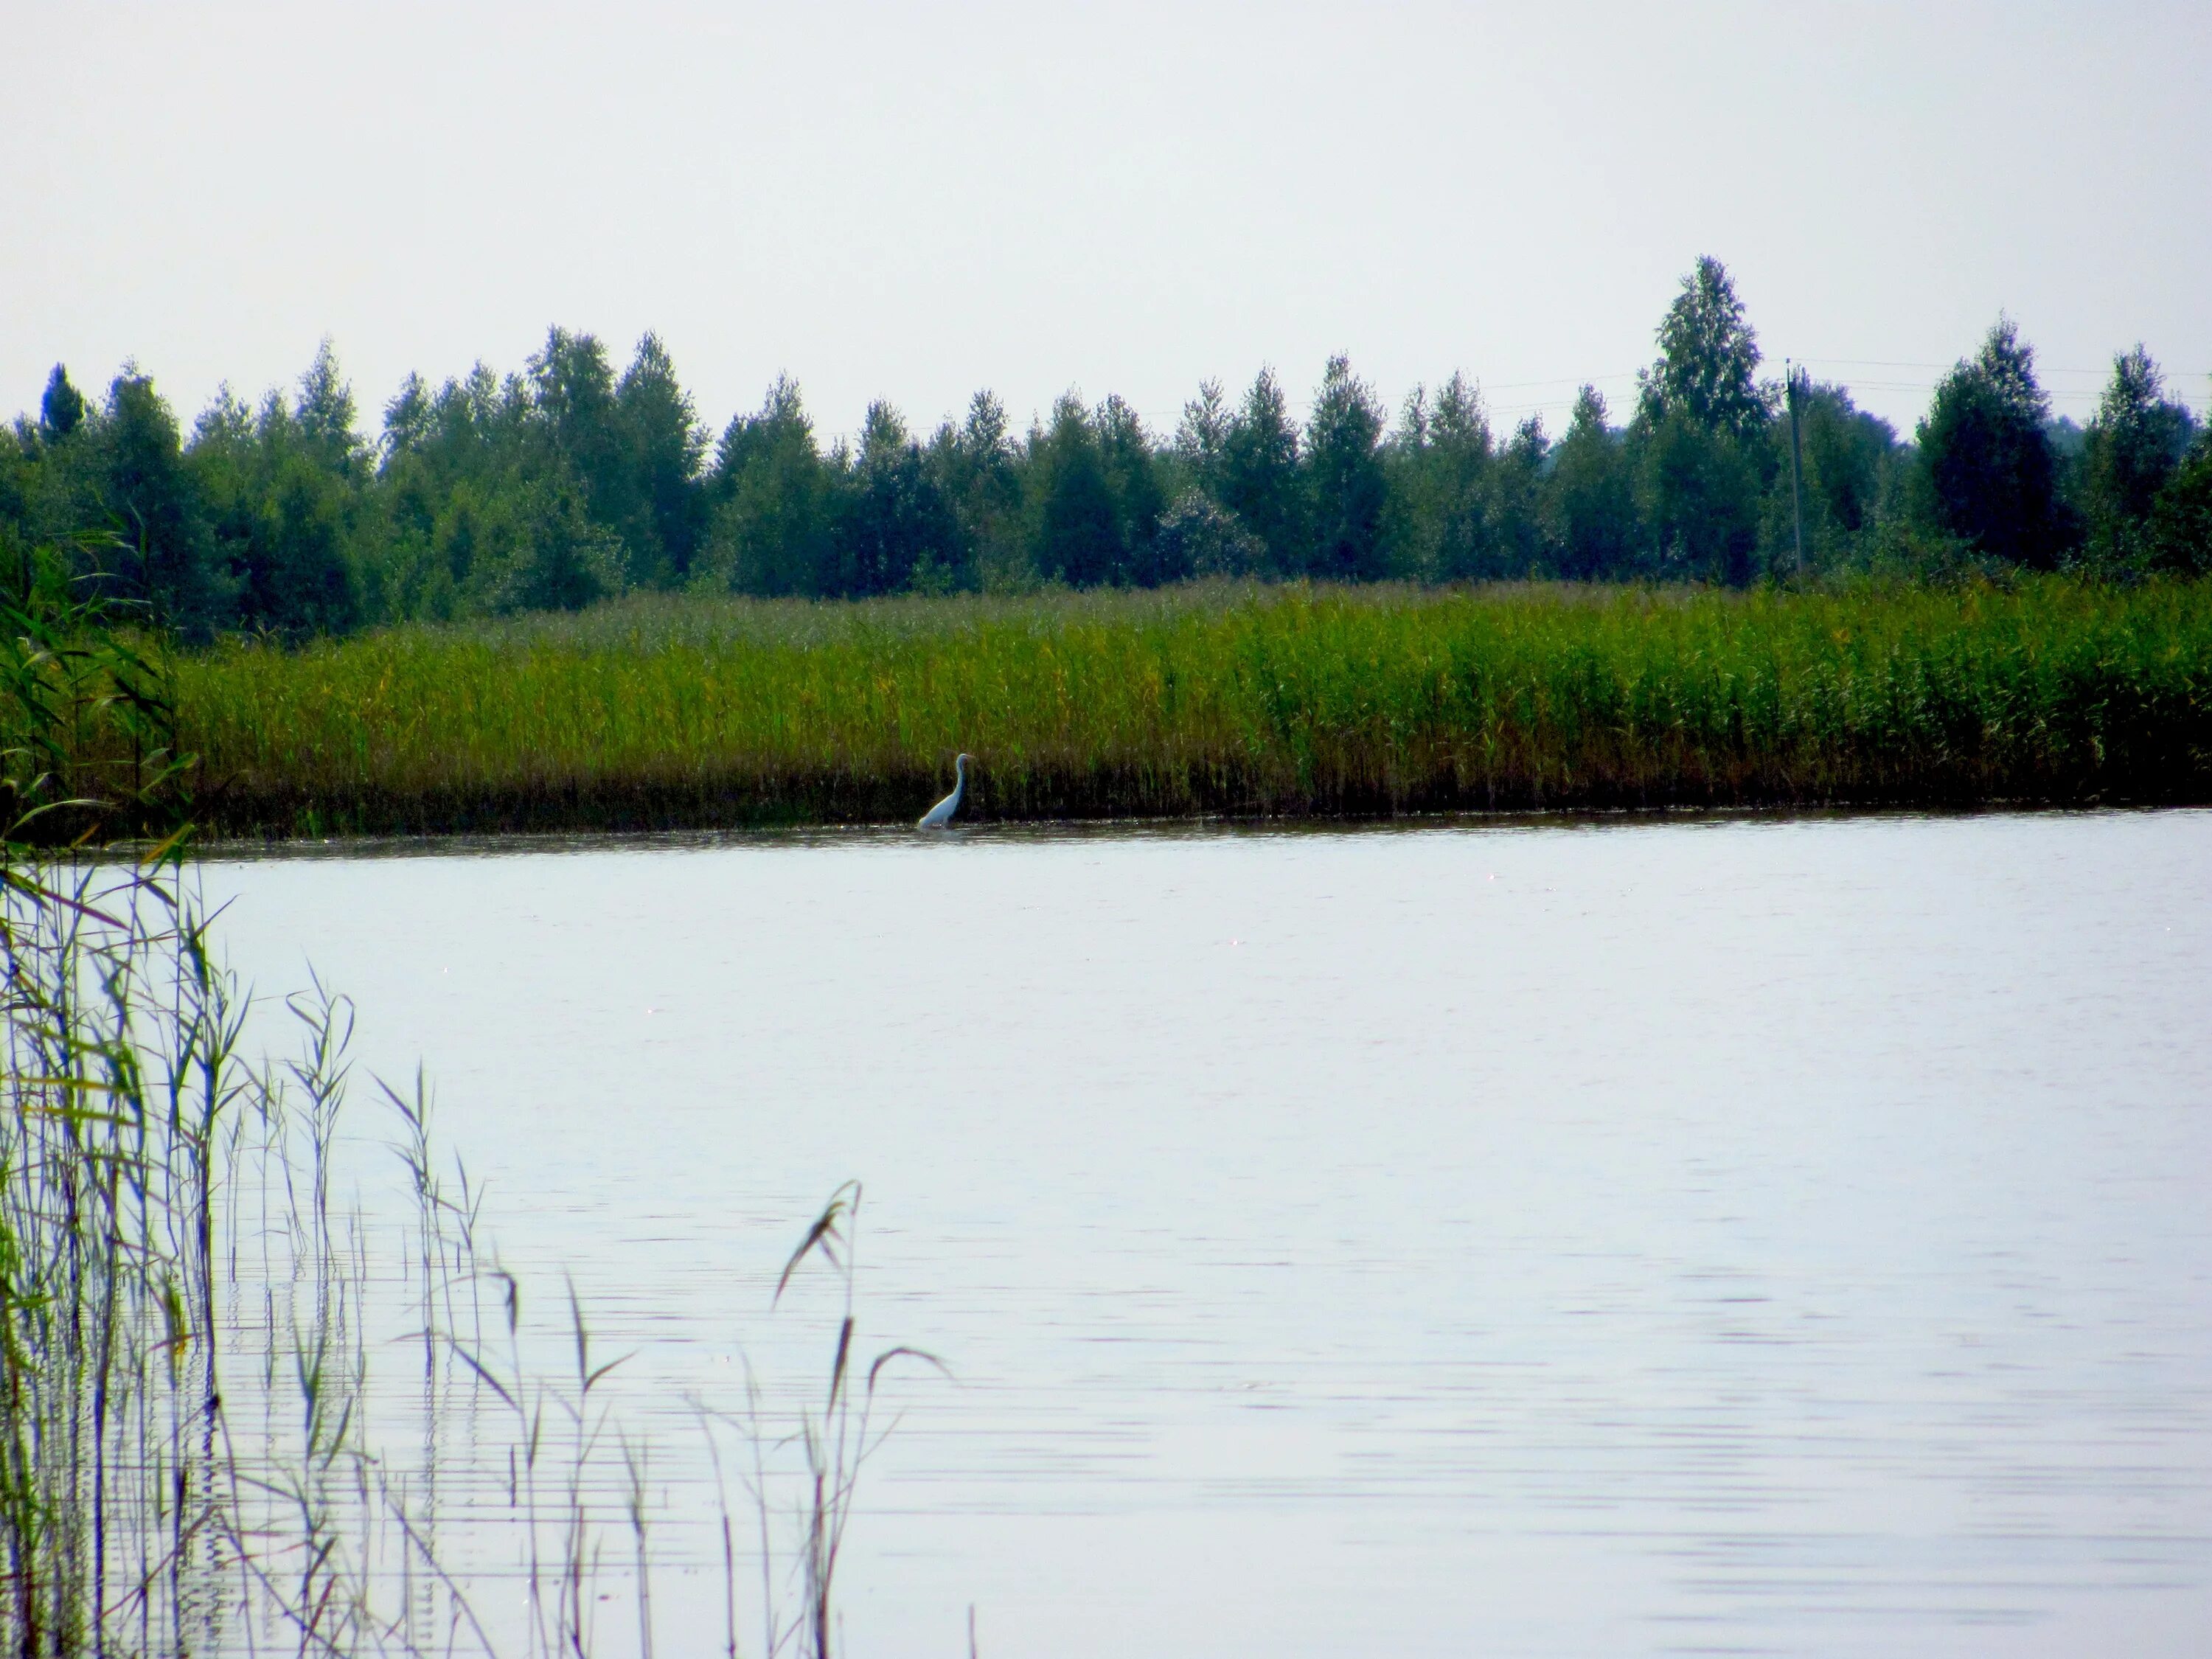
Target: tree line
[569,483]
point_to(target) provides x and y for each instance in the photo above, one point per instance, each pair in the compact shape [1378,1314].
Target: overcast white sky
[911,202]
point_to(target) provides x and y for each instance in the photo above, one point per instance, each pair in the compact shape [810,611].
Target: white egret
[941,814]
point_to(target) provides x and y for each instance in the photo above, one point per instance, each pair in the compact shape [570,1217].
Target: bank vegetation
[1235,699]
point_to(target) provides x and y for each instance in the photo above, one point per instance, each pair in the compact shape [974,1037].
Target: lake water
[1729,1237]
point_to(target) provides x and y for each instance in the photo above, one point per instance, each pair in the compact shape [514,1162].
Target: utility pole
[1796,461]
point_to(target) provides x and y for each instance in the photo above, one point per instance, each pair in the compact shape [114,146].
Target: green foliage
[1201,440]
[325,415]
[62,410]
[1097,498]
[976,467]
[2181,519]
[535,547]
[146,499]
[1199,537]
[1345,481]
[895,528]
[1590,500]
[1134,487]
[662,446]
[1701,499]
[2132,447]
[1708,357]
[1259,479]
[18,472]
[1704,457]
[1439,466]
[251,524]
[281,498]
[567,484]
[88,732]
[572,413]
[488,513]
[1847,455]
[1515,487]
[1990,472]
[1218,699]
[771,530]
[1076,539]
[632,448]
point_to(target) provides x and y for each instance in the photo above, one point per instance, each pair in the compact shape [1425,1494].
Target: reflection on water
[1737,1237]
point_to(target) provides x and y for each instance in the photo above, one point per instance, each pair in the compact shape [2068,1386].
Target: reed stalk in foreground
[192,1457]
[1216,701]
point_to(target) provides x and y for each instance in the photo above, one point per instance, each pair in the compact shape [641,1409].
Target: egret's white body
[941,814]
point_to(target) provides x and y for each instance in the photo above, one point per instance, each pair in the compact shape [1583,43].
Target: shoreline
[1278,704]
[1034,831]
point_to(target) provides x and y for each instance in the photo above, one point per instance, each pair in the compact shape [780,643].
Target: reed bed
[239,1415]
[1217,700]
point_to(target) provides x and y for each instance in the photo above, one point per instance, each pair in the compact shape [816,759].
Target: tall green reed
[107,1381]
[1220,700]
[192,1457]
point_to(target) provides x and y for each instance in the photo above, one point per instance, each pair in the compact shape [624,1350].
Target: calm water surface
[1745,1237]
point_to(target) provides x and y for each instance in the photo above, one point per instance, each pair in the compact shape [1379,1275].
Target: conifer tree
[662,445]
[149,501]
[1517,527]
[895,526]
[1076,539]
[1589,500]
[1259,477]
[62,410]
[1347,485]
[1133,484]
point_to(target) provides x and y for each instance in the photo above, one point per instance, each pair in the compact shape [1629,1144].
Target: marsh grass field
[665,713]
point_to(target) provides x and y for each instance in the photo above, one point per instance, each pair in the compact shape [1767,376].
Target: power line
[1945,368]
